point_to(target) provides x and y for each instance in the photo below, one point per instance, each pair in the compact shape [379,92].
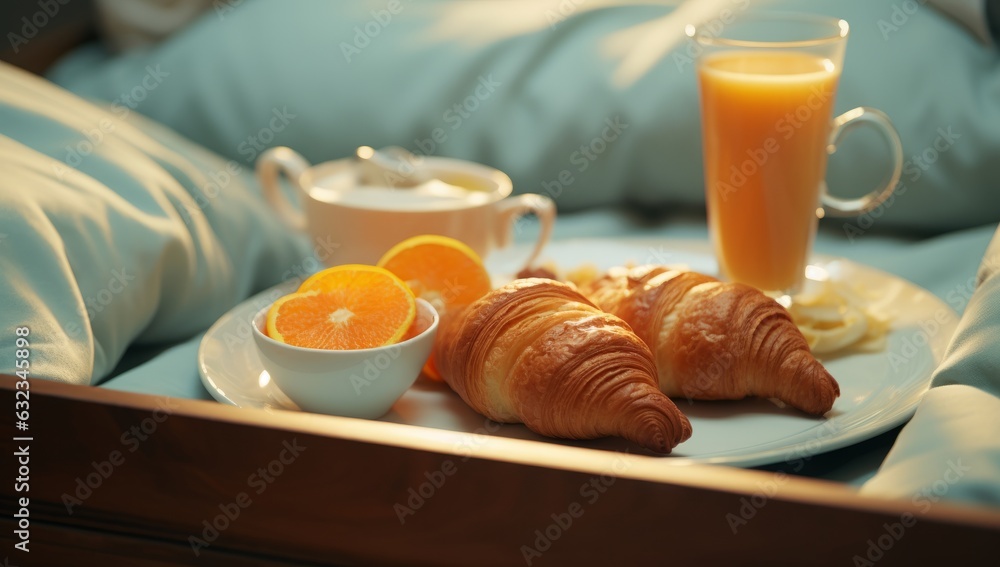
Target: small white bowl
[353,383]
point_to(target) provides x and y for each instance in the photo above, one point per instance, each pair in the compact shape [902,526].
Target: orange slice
[443,271]
[344,308]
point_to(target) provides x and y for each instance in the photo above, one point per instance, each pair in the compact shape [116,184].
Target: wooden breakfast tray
[345,485]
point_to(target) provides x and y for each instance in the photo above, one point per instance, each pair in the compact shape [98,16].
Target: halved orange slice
[443,271]
[345,307]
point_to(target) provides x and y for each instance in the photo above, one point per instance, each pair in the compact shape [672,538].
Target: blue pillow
[115,230]
[526,86]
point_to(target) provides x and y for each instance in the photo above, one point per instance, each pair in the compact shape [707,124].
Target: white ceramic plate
[878,391]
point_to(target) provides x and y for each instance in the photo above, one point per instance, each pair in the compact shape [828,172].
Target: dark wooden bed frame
[127,479]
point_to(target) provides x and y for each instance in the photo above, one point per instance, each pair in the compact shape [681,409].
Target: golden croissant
[716,341]
[537,352]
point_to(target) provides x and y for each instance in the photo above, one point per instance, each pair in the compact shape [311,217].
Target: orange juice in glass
[768,84]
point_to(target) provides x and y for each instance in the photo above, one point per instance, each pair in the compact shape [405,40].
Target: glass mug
[767,84]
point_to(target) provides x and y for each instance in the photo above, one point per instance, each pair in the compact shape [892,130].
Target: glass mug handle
[842,124]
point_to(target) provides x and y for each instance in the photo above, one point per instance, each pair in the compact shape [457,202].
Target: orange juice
[766,118]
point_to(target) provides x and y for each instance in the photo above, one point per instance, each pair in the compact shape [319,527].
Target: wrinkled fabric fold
[950,450]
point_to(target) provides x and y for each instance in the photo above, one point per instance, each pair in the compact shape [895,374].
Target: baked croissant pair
[539,352]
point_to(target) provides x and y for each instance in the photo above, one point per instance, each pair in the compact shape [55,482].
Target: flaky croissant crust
[716,341]
[536,351]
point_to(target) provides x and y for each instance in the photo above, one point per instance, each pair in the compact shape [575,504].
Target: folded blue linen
[115,230]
